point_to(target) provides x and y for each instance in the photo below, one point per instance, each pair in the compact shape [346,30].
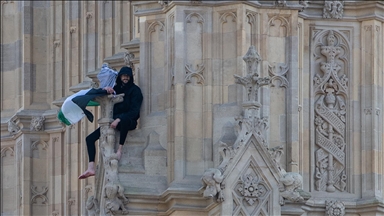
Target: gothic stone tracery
[330,85]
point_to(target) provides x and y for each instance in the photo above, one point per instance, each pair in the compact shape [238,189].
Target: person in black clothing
[125,115]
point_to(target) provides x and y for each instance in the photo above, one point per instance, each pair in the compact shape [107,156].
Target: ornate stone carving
[252,189]
[279,76]
[330,117]
[251,194]
[114,191]
[368,111]
[334,208]
[279,26]
[114,199]
[72,29]
[152,26]
[333,9]
[92,206]
[280,3]
[251,17]
[199,17]
[37,123]
[164,3]
[55,213]
[71,201]
[290,184]
[249,123]
[55,140]
[5,150]
[368,28]
[251,81]
[88,188]
[223,17]
[304,3]
[56,43]
[89,15]
[212,179]
[198,73]
[34,145]
[128,57]
[39,194]
[13,128]
[276,153]
[194,66]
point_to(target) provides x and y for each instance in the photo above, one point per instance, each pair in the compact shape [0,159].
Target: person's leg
[123,127]
[91,148]
[90,140]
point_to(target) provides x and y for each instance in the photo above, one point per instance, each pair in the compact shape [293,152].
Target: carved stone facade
[331,90]
[250,107]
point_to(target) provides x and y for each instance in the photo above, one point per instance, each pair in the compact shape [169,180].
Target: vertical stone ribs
[330,86]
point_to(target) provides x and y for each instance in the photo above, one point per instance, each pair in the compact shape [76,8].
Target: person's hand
[109,90]
[115,123]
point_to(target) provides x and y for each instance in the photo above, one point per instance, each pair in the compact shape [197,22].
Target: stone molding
[307,9]
[367,10]
[31,121]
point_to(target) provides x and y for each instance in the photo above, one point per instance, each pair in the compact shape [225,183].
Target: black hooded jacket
[129,109]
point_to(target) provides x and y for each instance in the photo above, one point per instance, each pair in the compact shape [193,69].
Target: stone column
[371,105]
[111,196]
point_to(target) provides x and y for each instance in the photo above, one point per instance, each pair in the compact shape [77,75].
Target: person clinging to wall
[125,115]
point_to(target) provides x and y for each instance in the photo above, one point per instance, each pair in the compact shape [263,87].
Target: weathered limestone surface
[310,141]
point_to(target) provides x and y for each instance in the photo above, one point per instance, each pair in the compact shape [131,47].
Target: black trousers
[123,127]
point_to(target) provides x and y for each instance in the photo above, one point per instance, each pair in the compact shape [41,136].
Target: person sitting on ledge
[125,115]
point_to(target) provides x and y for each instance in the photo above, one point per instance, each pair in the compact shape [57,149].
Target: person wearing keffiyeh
[125,115]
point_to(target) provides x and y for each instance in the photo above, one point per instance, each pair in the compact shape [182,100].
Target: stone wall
[324,104]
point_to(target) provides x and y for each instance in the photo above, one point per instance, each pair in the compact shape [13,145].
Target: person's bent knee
[90,140]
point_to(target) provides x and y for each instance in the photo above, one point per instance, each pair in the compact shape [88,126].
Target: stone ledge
[115,61]
[23,120]
[169,202]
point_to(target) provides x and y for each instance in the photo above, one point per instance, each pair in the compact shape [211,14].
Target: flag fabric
[74,107]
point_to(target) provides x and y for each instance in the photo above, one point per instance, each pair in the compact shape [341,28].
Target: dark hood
[125,70]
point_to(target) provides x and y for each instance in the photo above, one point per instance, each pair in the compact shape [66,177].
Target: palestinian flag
[73,108]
